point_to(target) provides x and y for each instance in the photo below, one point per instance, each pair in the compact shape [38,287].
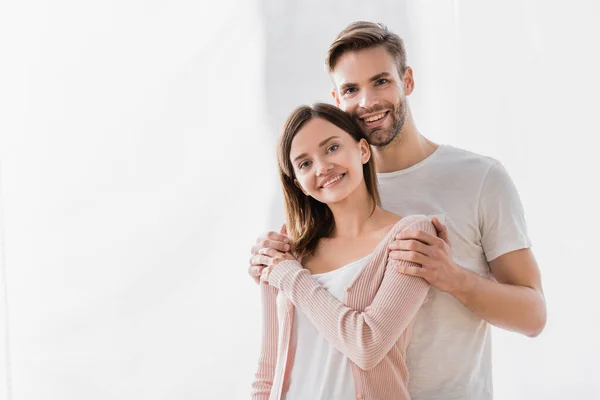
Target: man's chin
[380,137]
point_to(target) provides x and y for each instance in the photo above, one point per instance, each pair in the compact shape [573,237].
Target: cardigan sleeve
[364,337]
[263,378]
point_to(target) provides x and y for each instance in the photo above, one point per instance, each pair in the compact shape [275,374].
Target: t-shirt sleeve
[501,216]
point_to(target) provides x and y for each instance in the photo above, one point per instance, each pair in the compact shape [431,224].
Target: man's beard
[382,137]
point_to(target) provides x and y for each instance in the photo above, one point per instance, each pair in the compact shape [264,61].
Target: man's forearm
[516,308]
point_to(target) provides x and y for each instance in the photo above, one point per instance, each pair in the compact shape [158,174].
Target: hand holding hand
[271,240]
[273,257]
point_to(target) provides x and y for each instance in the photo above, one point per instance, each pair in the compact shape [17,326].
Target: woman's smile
[333,181]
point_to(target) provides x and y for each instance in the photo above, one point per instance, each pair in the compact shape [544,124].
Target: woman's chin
[334,198]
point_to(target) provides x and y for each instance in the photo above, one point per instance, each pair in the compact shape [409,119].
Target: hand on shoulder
[423,250]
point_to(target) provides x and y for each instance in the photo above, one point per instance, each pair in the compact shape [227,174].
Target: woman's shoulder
[419,221]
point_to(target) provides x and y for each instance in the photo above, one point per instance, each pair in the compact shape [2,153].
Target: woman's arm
[263,379]
[364,337]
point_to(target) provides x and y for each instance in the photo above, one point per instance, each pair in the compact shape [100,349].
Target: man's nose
[368,99]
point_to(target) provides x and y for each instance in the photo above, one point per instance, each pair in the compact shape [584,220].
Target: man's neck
[407,149]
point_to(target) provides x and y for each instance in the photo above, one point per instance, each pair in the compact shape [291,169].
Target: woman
[337,313]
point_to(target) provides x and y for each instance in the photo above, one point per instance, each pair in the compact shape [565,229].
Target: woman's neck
[354,216]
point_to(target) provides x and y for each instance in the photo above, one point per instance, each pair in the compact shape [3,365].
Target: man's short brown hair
[363,35]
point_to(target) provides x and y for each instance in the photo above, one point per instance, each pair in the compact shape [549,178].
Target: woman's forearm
[263,378]
[364,337]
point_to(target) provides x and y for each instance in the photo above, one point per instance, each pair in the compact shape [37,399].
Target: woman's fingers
[264,276]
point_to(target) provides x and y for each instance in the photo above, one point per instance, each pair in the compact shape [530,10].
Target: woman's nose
[323,167]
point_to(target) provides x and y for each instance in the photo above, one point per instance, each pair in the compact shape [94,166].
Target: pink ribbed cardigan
[371,326]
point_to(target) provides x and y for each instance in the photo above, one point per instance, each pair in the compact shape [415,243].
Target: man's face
[369,87]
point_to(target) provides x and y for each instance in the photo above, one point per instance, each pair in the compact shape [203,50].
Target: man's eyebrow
[347,85]
[320,145]
[379,76]
[372,79]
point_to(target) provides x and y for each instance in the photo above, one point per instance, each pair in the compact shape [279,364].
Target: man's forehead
[362,66]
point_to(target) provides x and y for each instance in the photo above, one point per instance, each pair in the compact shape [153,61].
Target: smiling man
[480,265]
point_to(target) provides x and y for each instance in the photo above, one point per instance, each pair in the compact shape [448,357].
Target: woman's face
[327,161]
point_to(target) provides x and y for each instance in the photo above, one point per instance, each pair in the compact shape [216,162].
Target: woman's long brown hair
[308,220]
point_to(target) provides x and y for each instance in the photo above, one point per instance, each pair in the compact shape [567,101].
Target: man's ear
[365,151]
[409,81]
[335,97]
[300,187]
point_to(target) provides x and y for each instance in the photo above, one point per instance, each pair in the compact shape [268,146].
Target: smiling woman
[324,157]
[334,302]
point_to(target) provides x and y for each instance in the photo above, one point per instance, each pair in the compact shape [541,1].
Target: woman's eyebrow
[320,145]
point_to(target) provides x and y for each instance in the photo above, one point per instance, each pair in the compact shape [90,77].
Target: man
[480,266]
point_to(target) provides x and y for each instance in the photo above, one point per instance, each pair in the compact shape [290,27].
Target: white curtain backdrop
[137,167]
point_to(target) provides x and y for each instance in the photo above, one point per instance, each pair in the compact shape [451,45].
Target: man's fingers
[271,253]
[410,256]
[260,259]
[410,244]
[414,271]
[421,236]
[271,244]
[438,225]
[442,230]
[277,237]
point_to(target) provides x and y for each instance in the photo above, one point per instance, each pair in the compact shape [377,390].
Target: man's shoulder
[460,157]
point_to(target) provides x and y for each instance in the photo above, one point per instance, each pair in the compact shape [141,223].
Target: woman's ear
[300,187]
[365,151]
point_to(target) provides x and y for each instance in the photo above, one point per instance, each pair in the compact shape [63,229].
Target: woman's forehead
[313,133]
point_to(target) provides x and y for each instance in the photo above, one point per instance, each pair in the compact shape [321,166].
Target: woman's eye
[382,81]
[303,164]
[333,147]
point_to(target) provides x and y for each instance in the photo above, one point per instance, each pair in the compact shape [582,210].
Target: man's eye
[382,81]
[333,147]
[349,90]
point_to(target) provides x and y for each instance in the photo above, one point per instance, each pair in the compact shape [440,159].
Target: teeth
[374,118]
[329,182]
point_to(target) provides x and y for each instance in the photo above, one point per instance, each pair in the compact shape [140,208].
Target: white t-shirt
[449,356]
[319,371]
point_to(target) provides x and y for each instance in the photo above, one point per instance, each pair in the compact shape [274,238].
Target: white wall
[131,135]
[137,168]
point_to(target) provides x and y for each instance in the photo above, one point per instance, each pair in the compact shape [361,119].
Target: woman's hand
[271,258]
[278,241]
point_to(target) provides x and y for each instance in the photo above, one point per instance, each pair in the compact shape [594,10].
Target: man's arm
[514,300]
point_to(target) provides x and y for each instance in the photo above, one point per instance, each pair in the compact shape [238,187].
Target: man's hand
[433,253]
[259,260]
